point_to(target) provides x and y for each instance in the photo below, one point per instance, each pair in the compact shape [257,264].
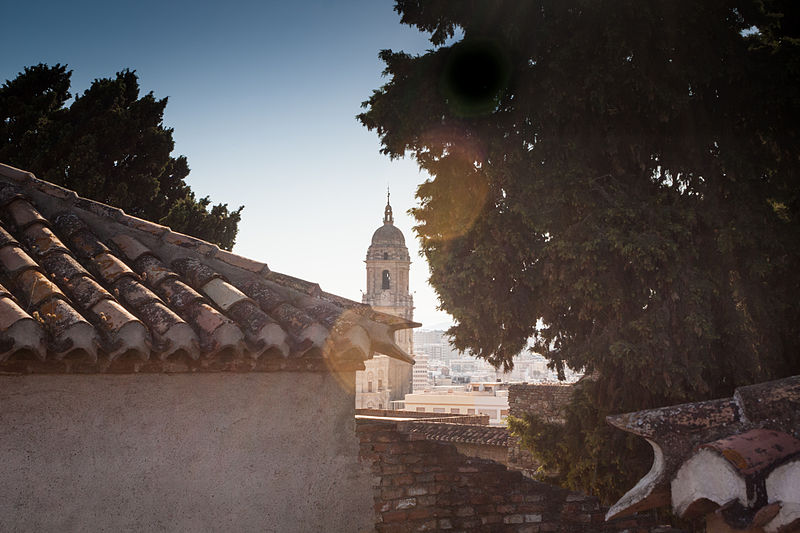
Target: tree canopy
[109,145]
[617,181]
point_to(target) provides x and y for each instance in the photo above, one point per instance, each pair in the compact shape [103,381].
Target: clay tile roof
[744,479]
[744,450]
[463,433]
[756,450]
[85,287]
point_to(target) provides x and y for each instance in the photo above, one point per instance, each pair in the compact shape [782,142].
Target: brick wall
[423,485]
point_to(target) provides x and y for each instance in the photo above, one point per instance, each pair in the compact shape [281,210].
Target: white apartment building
[420,380]
[473,399]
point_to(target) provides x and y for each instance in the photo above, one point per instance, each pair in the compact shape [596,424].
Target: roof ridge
[164,233]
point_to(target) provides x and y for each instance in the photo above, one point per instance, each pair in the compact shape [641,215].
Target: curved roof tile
[702,449]
[83,279]
[19,332]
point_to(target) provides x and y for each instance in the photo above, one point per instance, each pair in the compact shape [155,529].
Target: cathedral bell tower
[388,264]
[386,379]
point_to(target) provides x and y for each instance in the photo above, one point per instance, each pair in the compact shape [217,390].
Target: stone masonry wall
[547,401]
[422,485]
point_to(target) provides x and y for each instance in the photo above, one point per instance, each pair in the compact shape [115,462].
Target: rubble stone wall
[546,401]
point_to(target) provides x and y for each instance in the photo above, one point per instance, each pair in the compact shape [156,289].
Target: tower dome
[388,235]
[388,241]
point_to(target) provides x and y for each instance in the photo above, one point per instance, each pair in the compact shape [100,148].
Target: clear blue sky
[262,98]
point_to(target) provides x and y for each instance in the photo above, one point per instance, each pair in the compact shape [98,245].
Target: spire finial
[387,213]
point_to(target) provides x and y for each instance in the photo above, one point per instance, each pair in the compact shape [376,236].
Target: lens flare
[452,202]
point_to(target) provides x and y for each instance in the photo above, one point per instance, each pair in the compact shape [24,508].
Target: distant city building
[435,344]
[385,379]
[420,380]
[446,366]
[489,399]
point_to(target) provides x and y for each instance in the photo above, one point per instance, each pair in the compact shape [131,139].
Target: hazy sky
[262,98]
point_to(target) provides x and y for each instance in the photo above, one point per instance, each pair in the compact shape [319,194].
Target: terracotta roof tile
[83,279]
[179,239]
[756,450]
[82,242]
[267,297]
[120,330]
[130,247]
[195,272]
[40,240]
[223,293]
[309,333]
[735,455]
[19,332]
[262,331]
[6,238]
[152,270]
[728,476]
[109,267]
[216,331]
[21,213]
[14,259]
[243,262]
[170,333]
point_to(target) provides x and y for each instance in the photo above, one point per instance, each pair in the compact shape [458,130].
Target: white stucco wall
[203,452]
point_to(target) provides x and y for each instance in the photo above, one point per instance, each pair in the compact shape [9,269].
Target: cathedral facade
[385,379]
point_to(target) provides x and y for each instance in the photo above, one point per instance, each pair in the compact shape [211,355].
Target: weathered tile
[76,296]
[239,261]
[18,330]
[152,270]
[14,259]
[156,230]
[130,247]
[190,243]
[110,268]
[21,213]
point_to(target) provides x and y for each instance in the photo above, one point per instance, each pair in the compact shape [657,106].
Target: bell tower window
[386,255]
[386,281]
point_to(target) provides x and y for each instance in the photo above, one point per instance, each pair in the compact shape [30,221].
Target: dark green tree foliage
[109,145]
[622,174]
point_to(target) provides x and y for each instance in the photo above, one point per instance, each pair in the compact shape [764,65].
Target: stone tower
[386,379]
